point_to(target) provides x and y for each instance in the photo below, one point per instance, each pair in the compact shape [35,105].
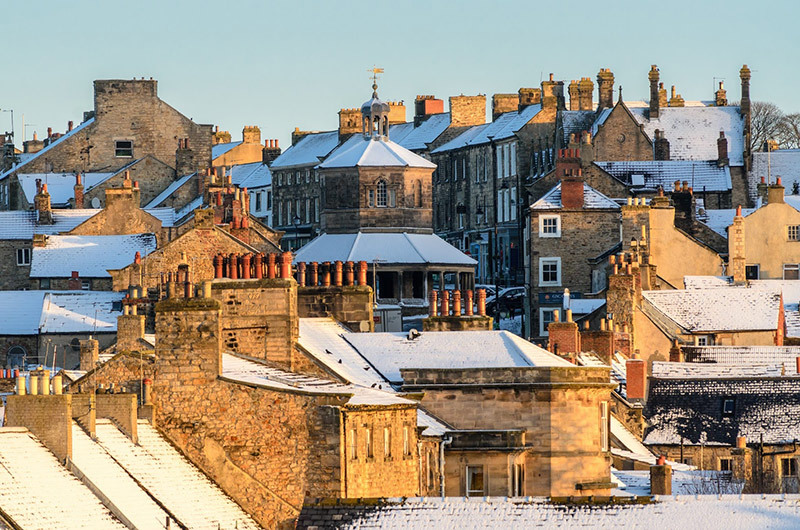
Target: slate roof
[418,138]
[28,312]
[251,176]
[22,224]
[591,199]
[91,256]
[654,173]
[505,126]
[738,512]
[390,352]
[386,247]
[693,131]
[169,190]
[692,408]
[716,309]
[784,163]
[575,121]
[358,151]
[60,186]
[220,149]
[744,355]
[309,150]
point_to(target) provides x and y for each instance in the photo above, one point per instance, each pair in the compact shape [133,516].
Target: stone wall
[457,323]
[121,409]
[49,418]
[467,110]
[152,174]
[13,276]
[350,305]
[125,370]
[121,215]
[621,137]
[26,342]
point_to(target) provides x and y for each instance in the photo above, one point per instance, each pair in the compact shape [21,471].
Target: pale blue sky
[286,64]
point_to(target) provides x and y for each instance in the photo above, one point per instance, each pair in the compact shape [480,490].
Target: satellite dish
[95,203]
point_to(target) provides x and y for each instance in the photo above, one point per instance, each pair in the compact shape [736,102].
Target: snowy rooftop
[784,163]
[358,151]
[60,186]
[253,175]
[390,352]
[704,282]
[91,256]
[166,475]
[309,150]
[697,370]
[505,126]
[169,190]
[32,156]
[20,224]
[703,512]
[220,149]
[26,312]
[576,121]
[684,482]
[591,199]
[650,174]
[744,355]
[717,309]
[385,247]
[693,131]
[417,138]
[36,491]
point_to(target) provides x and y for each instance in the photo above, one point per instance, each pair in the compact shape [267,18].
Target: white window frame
[550,260]
[369,449]
[406,442]
[704,340]
[513,159]
[545,233]
[791,267]
[117,148]
[513,203]
[542,324]
[23,257]
[468,481]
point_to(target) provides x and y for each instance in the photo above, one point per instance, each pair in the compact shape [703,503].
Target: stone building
[225,153]
[129,123]
[377,207]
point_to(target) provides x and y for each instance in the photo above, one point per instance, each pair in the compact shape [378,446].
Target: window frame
[381,194]
[468,490]
[549,217]
[728,464]
[792,232]
[353,444]
[119,151]
[368,444]
[23,257]
[549,260]
[387,443]
[791,268]
[789,467]
[542,324]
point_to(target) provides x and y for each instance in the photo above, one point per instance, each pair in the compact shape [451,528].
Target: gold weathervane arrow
[375,71]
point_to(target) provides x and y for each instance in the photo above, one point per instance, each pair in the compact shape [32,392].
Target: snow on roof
[693,131]
[91,256]
[20,312]
[718,309]
[389,352]
[601,119]
[383,247]
[32,156]
[358,151]
[784,163]
[591,199]
[700,174]
[189,207]
[704,282]
[163,214]
[627,440]
[36,491]
[169,190]
[684,511]
[93,462]
[720,220]
[696,370]
[505,126]
[398,131]
[584,306]
[323,339]
[420,137]
[80,312]
[684,482]
[310,149]
[220,149]
[22,224]
[253,175]
[432,426]
[182,488]
[575,121]
[60,186]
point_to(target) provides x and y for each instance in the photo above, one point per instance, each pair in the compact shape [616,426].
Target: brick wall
[49,418]
[467,110]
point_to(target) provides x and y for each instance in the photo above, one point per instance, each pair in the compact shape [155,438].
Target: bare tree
[765,125]
[789,131]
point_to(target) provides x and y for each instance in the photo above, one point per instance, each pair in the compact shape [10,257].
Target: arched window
[381,193]
[15,357]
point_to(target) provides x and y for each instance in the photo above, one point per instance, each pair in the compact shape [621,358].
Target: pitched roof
[505,126]
[425,133]
[575,121]
[591,199]
[91,256]
[22,224]
[360,152]
[710,310]
[383,247]
[169,190]
[28,312]
[784,163]
[309,150]
[220,149]
[253,175]
[693,131]
[60,186]
[650,174]
[21,312]
[389,352]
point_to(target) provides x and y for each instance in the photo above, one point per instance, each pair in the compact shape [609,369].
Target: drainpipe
[445,441]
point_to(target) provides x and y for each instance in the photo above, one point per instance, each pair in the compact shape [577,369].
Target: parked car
[490,289]
[510,300]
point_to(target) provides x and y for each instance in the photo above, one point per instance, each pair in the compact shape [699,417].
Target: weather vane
[375,71]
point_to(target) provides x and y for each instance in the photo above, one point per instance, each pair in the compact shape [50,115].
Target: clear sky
[286,64]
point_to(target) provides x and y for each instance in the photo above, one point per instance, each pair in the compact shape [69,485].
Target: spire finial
[375,71]
[620,92]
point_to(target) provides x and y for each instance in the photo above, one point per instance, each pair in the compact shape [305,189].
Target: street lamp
[296,222]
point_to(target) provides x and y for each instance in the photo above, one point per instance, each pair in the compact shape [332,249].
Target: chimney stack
[585,93]
[74,283]
[721,96]
[78,189]
[661,146]
[605,89]
[722,150]
[42,204]
[654,100]
[636,379]
[574,95]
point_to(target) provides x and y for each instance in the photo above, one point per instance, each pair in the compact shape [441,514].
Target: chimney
[397,112]
[572,192]
[661,146]
[684,201]
[424,106]
[529,96]
[74,283]
[654,99]
[605,89]
[42,204]
[251,134]
[775,193]
[466,111]
[721,96]
[130,330]
[564,337]
[270,152]
[69,125]
[90,355]
[585,93]
[736,248]
[661,478]
[185,163]
[552,95]
[745,111]
[675,100]
[349,122]
[722,150]
[636,379]
[78,189]
[574,95]
[502,103]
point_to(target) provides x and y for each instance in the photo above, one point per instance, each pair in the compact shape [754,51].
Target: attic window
[728,407]
[793,232]
[123,148]
[637,180]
